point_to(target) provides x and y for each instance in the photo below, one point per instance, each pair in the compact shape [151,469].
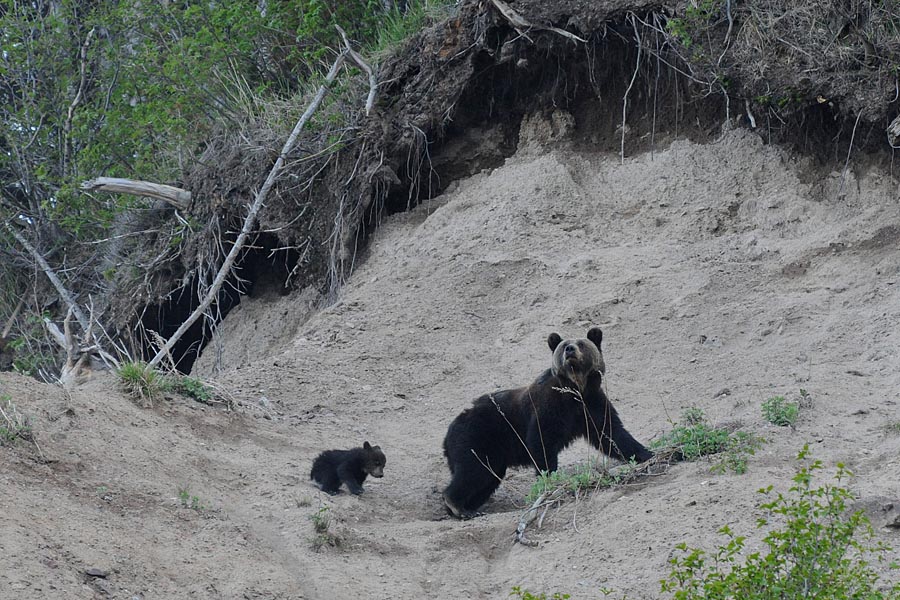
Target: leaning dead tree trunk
[250,220]
[177,197]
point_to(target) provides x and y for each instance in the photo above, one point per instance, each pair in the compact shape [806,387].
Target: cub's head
[374,460]
[575,359]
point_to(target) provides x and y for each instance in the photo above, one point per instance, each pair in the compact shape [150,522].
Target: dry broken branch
[521,24]
[362,64]
[544,500]
[250,220]
[175,196]
[51,275]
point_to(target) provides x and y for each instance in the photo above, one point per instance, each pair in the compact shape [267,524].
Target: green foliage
[140,382]
[13,424]
[583,477]
[321,520]
[518,592]
[698,16]
[779,411]
[395,27]
[819,551]
[892,428]
[191,387]
[696,438]
[190,501]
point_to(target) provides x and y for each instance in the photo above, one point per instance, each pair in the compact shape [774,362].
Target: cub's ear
[595,335]
[553,341]
[366,446]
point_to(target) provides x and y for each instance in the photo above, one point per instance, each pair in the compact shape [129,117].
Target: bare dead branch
[361,63]
[250,219]
[51,275]
[544,500]
[521,24]
[173,195]
[12,317]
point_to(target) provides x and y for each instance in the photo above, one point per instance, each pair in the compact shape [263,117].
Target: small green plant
[321,520]
[779,411]
[140,382]
[192,388]
[820,551]
[518,592]
[892,428]
[189,500]
[13,424]
[696,438]
[584,476]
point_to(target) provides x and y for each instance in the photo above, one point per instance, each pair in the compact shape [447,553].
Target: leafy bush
[779,411]
[820,551]
[584,476]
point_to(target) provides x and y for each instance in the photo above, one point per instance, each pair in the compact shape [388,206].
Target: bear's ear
[553,341]
[595,335]
[366,446]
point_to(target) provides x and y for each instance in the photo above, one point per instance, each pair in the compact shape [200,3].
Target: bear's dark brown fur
[531,425]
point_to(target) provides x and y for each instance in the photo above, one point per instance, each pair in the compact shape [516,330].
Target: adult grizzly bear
[531,425]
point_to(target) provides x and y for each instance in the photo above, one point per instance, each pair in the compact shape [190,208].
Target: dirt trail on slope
[722,274]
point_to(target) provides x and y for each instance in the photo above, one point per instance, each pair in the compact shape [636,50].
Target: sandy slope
[722,274]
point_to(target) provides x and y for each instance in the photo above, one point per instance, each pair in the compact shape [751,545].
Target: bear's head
[577,358]
[374,460]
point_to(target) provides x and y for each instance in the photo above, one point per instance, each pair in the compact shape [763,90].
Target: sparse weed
[697,438]
[13,424]
[779,411]
[191,501]
[518,592]
[304,501]
[821,551]
[321,521]
[140,382]
[892,428]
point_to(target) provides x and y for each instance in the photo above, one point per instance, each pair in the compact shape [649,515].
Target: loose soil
[722,274]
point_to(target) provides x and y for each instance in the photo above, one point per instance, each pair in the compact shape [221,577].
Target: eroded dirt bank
[722,274]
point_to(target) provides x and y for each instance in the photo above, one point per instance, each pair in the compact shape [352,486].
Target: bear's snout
[571,350]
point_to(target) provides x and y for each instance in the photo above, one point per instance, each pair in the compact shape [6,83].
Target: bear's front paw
[356,491]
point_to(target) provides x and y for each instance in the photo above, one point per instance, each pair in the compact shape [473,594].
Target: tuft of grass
[321,520]
[821,550]
[140,382]
[696,439]
[780,411]
[13,424]
[396,26]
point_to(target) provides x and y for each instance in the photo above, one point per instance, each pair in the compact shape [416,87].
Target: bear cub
[350,467]
[531,425]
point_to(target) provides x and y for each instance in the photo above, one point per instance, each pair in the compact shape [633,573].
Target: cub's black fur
[350,467]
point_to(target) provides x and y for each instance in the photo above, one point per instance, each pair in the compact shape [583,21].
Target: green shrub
[819,551]
[779,411]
